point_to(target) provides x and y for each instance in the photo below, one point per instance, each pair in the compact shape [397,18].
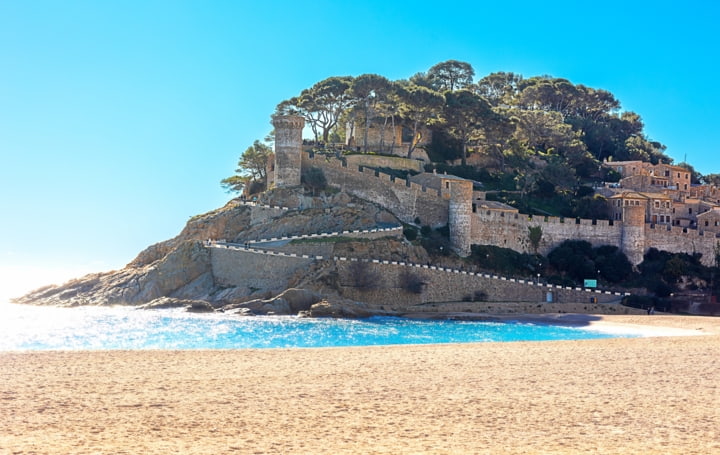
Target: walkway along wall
[446,285]
[267,270]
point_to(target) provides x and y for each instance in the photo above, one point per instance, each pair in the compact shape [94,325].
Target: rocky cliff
[179,272]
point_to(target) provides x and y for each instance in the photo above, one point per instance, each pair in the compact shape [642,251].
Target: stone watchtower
[288,149]
[460,214]
[633,233]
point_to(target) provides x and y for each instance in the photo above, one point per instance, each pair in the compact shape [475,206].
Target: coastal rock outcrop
[291,301]
[345,309]
[179,272]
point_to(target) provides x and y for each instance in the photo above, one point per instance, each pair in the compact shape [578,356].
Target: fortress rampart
[238,265]
[288,147]
[676,239]
[408,201]
[510,230]
[414,203]
[405,199]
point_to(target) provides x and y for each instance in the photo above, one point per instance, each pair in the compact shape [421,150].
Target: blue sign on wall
[590,283]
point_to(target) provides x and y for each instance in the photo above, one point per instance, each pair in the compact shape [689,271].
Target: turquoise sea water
[25,327]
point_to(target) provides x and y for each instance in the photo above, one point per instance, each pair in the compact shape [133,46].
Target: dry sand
[649,395]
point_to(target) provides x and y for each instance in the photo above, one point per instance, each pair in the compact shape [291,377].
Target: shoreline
[655,395]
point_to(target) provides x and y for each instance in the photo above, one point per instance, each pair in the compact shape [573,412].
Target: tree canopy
[251,168]
[545,133]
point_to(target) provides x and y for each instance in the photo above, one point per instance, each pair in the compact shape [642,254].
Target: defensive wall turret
[460,215]
[288,149]
[632,240]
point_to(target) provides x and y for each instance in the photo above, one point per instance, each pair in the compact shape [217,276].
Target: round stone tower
[633,233]
[288,149]
[460,214]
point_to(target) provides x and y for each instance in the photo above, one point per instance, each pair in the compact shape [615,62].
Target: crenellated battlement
[410,201]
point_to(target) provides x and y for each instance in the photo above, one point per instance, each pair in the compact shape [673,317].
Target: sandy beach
[658,395]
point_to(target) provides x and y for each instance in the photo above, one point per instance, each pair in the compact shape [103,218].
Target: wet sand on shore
[657,395]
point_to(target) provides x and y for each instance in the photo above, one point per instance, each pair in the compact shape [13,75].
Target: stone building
[395,139]
[709,220]
[657,207]
[643,176]
[687,211]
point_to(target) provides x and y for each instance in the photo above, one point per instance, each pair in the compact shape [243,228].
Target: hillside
[178,271]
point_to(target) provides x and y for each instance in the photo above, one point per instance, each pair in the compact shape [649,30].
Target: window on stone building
[657,204]
[407,135]
[689,210]
[707,223]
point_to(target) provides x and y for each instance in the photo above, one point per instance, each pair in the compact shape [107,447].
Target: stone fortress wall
[405,199]
[408,201]
[249,265]
[510,230]
[414,203]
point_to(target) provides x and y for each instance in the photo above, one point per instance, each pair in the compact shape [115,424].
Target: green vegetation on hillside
[542,137]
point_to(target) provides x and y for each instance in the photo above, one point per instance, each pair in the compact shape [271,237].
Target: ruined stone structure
[396,140]
[288,149]
[436,200]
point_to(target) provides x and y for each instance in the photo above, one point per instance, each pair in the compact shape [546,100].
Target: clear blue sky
[118,119]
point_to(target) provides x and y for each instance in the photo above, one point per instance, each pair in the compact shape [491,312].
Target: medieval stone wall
[404,199]
[510,230]
[392,162]
[443,285]
[232,267]
[410,201]
[676,239]
[390,138]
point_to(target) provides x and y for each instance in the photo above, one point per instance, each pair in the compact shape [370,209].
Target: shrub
[314,179]
[410,282]
[505,261]
[364,277]
[410,233]
[479,296]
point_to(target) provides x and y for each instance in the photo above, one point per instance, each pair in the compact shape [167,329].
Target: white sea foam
[24,327]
